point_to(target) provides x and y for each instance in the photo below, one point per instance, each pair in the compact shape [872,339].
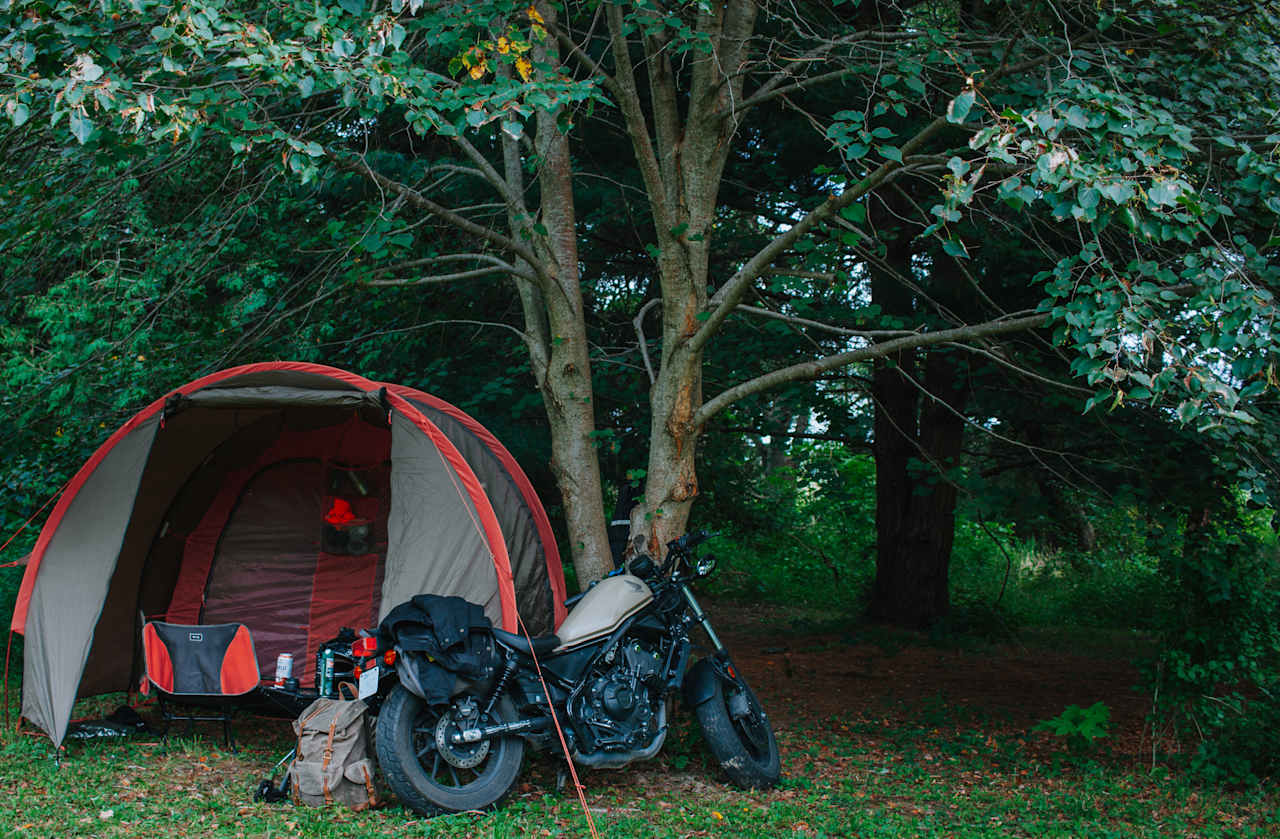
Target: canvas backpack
[332,764]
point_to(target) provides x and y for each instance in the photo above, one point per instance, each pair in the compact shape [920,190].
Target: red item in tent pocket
[340,513]
[344,531]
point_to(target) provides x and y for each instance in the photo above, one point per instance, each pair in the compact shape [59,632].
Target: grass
[905,768]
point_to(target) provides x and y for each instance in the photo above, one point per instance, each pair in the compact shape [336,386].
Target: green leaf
[856,213]
[891,153]
[87,70]
[306,85]
[81,126]
[959,108]
[1164,192]
[18,112]
[344,47]
[1076,117]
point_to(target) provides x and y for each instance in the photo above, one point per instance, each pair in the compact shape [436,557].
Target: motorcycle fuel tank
[604,606]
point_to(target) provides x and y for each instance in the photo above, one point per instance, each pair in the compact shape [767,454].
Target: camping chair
[203,666]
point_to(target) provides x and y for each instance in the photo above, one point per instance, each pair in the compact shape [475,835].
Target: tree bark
[919,398]
[565,375]
[915,501]
[682,166]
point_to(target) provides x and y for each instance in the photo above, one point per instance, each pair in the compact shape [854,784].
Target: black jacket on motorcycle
[440,627]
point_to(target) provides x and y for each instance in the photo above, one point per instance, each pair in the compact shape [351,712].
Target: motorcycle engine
[618,704]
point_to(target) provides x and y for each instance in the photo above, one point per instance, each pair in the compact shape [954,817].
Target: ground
[882,734]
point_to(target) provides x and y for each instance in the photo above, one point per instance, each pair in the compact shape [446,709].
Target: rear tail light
[364,647]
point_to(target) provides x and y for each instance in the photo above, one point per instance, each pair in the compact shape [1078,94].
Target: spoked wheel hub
[451,724]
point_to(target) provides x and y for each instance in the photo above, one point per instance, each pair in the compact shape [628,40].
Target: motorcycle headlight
[704,565]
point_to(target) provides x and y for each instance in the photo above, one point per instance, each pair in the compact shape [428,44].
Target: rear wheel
[739,735]
[427,771]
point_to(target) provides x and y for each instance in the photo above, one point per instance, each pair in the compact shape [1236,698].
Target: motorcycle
[602,688]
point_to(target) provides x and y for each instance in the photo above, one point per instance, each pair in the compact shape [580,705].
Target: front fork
[701,617]
[699,683]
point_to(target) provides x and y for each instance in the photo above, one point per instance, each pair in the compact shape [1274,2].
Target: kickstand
[562,777]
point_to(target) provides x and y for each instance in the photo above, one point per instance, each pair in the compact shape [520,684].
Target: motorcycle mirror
[704,565]
[642,566]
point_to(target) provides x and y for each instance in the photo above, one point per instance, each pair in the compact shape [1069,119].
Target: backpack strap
[328,757]
[368,785]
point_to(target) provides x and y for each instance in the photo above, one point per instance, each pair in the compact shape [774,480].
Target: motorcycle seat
[542,644]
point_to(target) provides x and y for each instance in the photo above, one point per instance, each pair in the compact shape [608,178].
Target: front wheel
[429,774]
[739,735]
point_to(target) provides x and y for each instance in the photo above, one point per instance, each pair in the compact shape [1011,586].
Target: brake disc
[461,755]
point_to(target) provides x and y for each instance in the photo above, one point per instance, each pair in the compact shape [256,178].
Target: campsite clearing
[882,735]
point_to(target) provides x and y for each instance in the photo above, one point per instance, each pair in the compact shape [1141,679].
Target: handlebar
[691,540]
[682,546]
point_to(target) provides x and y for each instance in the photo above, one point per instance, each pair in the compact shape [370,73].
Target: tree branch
[731,293]
[628,93]
[1023,371]
[490,174]
[438,278]
[361,167]
[825,327]
[399,330]
[453,257]
[762,96]
[811,369]
[638,323]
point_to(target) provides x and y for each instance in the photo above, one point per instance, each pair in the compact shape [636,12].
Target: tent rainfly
[293,498]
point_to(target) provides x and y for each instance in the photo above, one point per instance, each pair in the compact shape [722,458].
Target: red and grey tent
[232,500]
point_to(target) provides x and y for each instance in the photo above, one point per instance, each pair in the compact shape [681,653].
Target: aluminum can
[326,677]
[284,668]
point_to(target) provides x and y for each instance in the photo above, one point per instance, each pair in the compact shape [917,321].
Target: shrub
[1217,678]
[1080,727]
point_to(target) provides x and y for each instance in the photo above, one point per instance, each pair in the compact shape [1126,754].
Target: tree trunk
[682,167]
[915,500]
[918,437]
[565,378]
